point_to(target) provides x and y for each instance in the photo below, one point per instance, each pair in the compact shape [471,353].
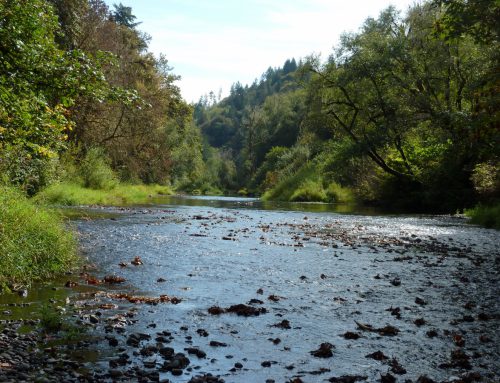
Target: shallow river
[315,270]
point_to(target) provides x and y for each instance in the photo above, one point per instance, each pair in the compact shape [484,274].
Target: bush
[34,243]
[96,171]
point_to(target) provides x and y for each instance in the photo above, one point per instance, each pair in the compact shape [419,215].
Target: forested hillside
[404,113]
[80,93]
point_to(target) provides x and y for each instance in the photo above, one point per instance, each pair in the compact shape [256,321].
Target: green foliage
[486,179]
[338,194]
[478,18]
[70,194]
[34,242]
[309,191]
[485,215]
[96,172]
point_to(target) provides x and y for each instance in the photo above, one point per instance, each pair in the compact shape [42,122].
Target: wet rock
[215,343]
[419,322]
[112,341]
[149,350]
[351,335]
[255,302]
[137,261]
[387,378]
[348,379]
[115,373]
[425,379]
[431,333]
[396,367]
[196,351]
[284,324]
[167,352]
[396,282]
[458,359]
[275,340]
[206,379]
[386,331]
[274,298]
[113,279]
[178,362]
[244,310]
[420,301]
[395,311]
[377,355]
[216,310]
[202,332]
[324,351]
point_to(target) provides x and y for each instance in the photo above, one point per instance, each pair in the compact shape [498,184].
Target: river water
[315,272]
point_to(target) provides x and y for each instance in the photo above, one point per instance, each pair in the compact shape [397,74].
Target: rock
[420,301]
[377,355]
[324,351]
[347,379]
[387,378]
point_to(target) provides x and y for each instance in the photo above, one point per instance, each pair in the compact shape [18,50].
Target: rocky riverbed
[232,292]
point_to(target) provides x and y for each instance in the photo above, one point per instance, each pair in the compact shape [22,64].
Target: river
[422,290]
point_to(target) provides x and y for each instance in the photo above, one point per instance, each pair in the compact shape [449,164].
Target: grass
[484,215]
[35,244]
[72,194]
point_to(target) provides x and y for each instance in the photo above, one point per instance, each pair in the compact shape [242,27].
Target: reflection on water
[256,203]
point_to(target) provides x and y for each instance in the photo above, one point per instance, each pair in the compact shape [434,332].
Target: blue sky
[214,43]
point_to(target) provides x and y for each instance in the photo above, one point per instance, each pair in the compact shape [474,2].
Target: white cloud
[211,54]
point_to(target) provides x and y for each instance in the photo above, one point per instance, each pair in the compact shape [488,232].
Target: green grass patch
[71,194]
[35,244]
[484,215]
[307,185]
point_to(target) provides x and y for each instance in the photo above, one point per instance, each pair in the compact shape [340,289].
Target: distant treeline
[404,112]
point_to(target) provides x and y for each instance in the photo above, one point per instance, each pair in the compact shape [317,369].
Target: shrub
[96,171]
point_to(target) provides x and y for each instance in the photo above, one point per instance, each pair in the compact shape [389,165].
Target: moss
[35,243]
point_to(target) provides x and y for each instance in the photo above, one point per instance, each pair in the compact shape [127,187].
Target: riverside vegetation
[403,114]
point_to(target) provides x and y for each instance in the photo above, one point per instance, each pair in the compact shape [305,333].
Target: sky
[212,44]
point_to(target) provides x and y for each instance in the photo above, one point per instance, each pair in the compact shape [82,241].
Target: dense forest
[403,113]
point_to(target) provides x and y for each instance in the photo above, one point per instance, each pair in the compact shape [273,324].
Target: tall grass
[71,194]
[487,216]
[34,242]
[307,185]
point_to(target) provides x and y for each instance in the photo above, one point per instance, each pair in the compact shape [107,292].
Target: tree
[123,15]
